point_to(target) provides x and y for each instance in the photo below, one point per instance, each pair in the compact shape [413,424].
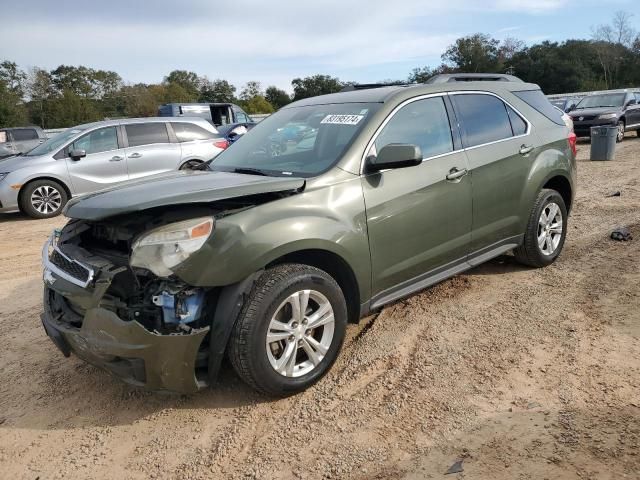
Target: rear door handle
[135,155]
[117,158]
[526,149]
[456,174]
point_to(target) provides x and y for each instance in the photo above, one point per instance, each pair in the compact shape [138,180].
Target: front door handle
[456,174]
[135,155]
[526,149]
[117,158]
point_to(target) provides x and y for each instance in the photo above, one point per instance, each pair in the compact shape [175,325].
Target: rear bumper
[125,349]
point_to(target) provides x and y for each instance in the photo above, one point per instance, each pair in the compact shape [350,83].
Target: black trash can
[603,143]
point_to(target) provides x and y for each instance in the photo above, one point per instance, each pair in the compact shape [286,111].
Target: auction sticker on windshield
[342,119]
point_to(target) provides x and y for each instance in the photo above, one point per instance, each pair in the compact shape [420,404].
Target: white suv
[91,157]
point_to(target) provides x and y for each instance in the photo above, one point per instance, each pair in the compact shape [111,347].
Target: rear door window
[424,123]
[23,134]
[188,132]
[146,133]
[484,118]
[101,140]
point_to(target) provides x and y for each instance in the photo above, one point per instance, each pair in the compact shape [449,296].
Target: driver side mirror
[633,101]
[394,155]
[77,154]
[570,108]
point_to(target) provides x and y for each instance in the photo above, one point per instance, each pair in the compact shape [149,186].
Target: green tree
[251,89]
[276,97]
[13,78]
[257,104]
[189,81]
[217,91]
[12,111]
[474,53]
[315,85]
[40,89]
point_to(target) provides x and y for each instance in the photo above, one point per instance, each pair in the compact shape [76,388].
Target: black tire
[638,132]
[620,135]
[58,198]
[191,165]
[530,253]
[247,346]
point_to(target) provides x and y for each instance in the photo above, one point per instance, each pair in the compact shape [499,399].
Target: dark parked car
[267,256]
[217,113]
[14,141]
[614,109]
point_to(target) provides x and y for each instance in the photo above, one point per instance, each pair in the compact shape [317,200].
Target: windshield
[55,142]
[609,100]
[297,141]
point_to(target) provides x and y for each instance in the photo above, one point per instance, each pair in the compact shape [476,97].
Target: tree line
[70,95]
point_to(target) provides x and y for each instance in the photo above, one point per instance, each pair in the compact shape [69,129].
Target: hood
[590,112]
[178,188]
[8,165]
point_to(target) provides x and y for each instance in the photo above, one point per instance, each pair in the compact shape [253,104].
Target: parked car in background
[265,258]
[565,104]
[94,156]
[217,113]
[14,141]
[234,131]
[621,110]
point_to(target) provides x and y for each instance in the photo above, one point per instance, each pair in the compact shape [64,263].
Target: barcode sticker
[342,119]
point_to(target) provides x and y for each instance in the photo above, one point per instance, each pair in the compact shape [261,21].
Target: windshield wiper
[249,171]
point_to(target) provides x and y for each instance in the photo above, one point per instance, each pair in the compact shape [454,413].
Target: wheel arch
[562,185]
[51,179]
[336,266]
[191,159]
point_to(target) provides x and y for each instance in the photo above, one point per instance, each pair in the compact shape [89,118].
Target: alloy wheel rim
[621,131]
[46,199]
[300,333]
[550,229]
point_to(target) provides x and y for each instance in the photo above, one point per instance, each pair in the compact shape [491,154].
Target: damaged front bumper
[80,319]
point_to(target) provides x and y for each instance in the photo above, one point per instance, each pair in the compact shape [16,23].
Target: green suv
[325,212]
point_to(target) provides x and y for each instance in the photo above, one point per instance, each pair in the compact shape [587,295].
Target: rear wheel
[290,330]
[620,135]
[546,231]
[43,199]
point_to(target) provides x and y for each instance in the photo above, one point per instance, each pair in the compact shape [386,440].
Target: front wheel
[546,231]
[43,199]
[290,330]
[620,135]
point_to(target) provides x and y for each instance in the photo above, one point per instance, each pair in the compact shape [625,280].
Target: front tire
[546,231]
[191,165]
[290,330]
[43,199]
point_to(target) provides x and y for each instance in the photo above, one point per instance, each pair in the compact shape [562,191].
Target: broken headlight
[163,248]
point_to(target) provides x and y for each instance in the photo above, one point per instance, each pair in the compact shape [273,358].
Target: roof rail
[473,77]
[365,86]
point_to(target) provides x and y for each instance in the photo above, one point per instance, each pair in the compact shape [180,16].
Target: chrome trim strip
[48,265]
[632,125]
[442,94]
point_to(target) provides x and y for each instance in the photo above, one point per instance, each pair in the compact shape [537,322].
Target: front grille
[585,118]
[72,268]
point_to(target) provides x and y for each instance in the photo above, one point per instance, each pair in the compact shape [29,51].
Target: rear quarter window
[536,100]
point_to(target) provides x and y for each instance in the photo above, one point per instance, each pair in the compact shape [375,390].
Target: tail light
[223,144]
[573,140]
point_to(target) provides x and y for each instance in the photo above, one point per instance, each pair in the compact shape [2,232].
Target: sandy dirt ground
[518,373]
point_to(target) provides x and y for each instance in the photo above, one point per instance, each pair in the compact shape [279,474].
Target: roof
[126,121]
[385,94]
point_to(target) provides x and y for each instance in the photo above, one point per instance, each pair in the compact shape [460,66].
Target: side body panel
[329,215]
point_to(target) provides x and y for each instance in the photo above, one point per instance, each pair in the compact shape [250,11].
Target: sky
[274,41]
